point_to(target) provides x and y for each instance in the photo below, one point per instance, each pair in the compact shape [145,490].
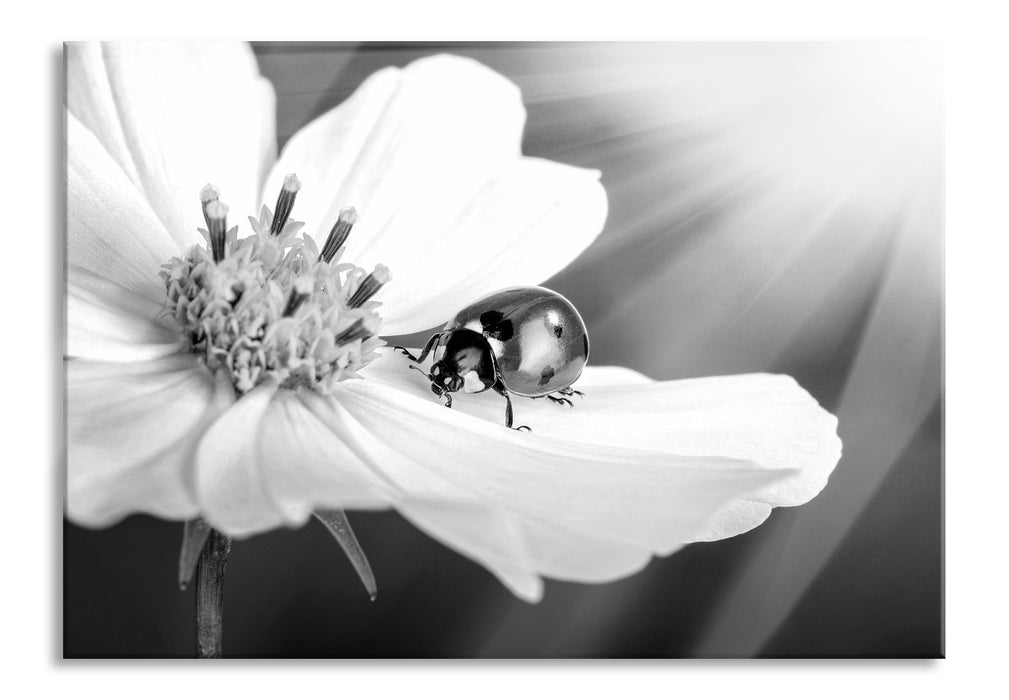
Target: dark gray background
[670,288]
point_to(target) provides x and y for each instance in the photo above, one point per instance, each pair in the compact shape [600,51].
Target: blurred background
[773,207]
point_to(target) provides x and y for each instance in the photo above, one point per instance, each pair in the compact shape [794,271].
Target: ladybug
[527,341]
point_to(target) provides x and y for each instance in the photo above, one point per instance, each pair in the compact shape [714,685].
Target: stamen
[271,311]
[369,286]
[285,203]
[208,194]
[216,214]
[299,294]
[354,331]
[338,235]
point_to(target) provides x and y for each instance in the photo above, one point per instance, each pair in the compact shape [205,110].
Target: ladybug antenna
[429,377]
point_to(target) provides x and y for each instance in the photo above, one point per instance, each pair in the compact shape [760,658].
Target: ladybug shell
[536,335]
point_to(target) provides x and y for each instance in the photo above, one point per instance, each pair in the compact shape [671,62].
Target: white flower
[430,157]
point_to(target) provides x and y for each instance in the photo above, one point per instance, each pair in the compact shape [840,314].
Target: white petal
[90,100]
[595,376]
[518,553]
[175,116]
[305,462]
[765,419]
[523,227]
[117,326]
[390,144]
[430,157]
[528,504]
[115,247]
[230,487]
[112,233]
[132,428]
[493,538]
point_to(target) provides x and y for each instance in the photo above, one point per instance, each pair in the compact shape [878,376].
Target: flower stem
[210,596]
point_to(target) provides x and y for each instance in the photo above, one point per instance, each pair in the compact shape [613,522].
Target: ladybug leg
[441,393]
[509,414]
[564,394]
[432,345]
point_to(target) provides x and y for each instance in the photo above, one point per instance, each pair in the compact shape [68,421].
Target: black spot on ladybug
[546,375]
[558,331]
[494,325]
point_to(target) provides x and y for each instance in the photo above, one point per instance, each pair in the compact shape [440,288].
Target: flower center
[271,307]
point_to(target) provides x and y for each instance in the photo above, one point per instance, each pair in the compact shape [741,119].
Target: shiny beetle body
[527,341]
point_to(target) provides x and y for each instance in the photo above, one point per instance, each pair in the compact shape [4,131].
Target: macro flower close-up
[235,311]
[429,157]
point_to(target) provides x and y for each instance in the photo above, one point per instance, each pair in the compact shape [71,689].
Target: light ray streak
[894,383]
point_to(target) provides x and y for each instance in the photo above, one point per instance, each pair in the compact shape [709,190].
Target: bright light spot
[834,119]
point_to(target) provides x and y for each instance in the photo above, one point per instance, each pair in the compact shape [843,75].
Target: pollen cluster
[271,307]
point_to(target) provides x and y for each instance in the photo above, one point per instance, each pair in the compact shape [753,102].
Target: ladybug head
[445,379]
[466,365]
